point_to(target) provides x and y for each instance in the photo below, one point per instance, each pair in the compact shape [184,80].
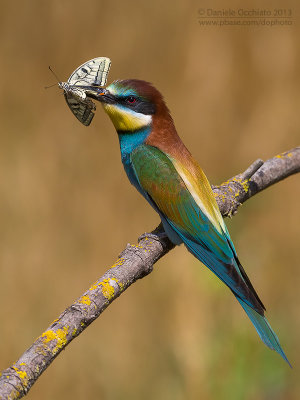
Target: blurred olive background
[67,209]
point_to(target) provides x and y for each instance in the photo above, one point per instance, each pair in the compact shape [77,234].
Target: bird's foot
[159,236]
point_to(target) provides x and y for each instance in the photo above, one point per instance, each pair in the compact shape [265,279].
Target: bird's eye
[131,99]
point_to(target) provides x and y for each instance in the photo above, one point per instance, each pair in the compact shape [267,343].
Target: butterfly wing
[82,109]
[91,73]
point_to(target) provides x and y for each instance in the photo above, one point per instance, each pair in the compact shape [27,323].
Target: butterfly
[91,73]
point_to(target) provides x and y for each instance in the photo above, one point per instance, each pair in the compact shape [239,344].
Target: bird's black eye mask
[137,104]
[131,101]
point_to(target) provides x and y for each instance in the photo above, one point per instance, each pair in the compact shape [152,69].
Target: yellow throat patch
[125,119]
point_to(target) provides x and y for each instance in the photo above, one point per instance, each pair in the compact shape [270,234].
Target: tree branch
[135,262]
[259,176]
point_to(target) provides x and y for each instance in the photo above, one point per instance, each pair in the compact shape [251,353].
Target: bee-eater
[161,168]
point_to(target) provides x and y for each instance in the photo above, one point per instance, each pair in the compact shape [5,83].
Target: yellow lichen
[136,246]
[120,284]
[108,290]
[74,332]
[283,155]
[119,262]
[94,286]
[244,183]
[22,375]
[49,335]
[85,300]
[60,335]
[108,287]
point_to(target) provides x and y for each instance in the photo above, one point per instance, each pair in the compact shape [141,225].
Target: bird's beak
[100,94]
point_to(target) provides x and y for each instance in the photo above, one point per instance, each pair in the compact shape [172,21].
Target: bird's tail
[266,333]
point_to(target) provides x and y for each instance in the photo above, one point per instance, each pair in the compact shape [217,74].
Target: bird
[165,173]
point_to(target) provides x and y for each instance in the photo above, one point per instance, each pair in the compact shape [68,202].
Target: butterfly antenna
[48,87]
[56,77]
[54,74]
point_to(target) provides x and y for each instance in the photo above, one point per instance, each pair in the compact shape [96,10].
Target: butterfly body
[72,90]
